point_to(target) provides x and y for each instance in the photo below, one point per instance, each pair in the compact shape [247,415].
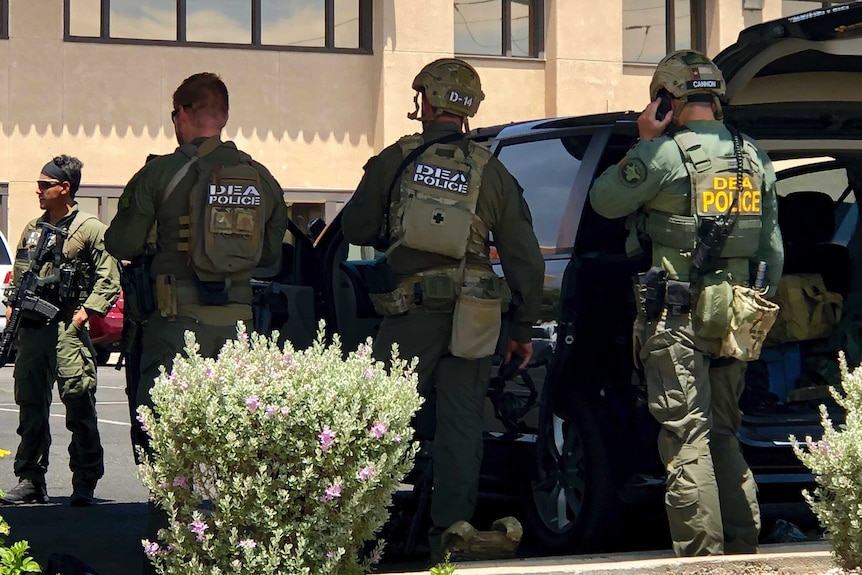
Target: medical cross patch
[438,217]
[632,172]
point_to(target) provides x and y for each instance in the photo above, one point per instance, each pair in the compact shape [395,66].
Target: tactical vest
[71,271]
[221,227]
[436,209]
[714,192]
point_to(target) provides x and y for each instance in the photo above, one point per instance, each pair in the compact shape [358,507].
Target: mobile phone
[663,105]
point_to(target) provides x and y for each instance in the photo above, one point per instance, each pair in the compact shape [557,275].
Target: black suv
[571,436]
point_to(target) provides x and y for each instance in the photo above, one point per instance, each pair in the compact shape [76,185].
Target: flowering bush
[836,460]
[271,461]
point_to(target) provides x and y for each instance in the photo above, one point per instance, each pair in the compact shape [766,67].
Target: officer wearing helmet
[430,202]
[704,197]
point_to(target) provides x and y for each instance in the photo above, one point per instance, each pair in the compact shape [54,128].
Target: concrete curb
[795,559]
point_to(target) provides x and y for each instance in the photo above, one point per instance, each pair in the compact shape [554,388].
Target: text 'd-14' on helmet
[452,85]
[686,73]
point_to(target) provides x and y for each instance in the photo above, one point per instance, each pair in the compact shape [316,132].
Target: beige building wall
[313,118]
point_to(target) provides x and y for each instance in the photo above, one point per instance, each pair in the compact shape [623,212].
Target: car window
[546,169]
[5,257]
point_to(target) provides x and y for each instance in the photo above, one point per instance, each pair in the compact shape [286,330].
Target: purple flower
[364,349]
[163,484]
[378,555]
[330,554]
[142,421]
[172,376]
[181,481]
[396,438]
[209,372]
[252,402]
[271,410]
[288,360]
[369,373]
[327,438]
[285,411]
[367,473]
[378,430]
[243,336]
[198,527]
[332,492]
[151,549]
[248,543]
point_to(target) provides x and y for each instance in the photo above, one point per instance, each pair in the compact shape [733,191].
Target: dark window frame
[536,26]
[4,19]
[697,17]
[365,31]
[102,193]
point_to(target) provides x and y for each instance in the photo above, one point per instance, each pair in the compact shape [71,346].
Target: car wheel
[103,355]
[573,506]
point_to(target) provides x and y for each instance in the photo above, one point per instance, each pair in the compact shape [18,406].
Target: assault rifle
[25,298]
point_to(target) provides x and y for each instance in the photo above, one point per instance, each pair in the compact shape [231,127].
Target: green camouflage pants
[63,353]
[711,497]
[454,390]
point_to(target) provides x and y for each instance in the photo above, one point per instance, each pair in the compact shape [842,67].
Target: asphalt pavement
[107,535]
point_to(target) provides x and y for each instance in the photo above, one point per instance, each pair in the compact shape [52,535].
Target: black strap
[737,151]
[448,138]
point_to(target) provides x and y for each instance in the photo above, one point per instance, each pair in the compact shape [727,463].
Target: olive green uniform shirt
[103,277]
[500,206]
[664,185]
[142,204]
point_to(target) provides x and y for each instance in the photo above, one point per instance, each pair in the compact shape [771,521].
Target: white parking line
[106,421]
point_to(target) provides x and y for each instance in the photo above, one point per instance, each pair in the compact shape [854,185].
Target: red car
[105,332]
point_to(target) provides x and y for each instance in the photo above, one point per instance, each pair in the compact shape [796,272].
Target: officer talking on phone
[704,196]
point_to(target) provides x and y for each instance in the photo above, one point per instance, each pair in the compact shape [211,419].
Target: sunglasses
[176,111]
[45,185]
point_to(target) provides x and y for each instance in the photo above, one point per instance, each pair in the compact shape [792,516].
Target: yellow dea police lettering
[719,195]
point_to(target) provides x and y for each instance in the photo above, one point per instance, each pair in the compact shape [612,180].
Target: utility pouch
[677,300]
[166,295]
[67,287]
[711,237]
[137,290]
[753,317]
[714,308]
[211,292]
[438,292]
[378,277]
[475,325]
[652,288]
[388,296]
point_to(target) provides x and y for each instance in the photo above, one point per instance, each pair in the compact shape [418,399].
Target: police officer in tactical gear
[208,214]
[705,196]
[80,278]
[430,202]
[172,210]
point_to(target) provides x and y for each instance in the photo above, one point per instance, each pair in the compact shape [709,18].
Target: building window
[99,201]
[793,7]
[4,18]
[654,28]
[318,25]
[500,27]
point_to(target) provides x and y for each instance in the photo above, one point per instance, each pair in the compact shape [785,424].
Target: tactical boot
[82,496]
[27,491]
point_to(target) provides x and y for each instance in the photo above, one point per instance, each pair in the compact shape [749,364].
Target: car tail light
[8,278]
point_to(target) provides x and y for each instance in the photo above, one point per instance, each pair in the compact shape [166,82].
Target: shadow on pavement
[106,536]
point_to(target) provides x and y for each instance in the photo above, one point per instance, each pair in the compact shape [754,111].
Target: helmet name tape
[233,195]
[695,84]
[441,178]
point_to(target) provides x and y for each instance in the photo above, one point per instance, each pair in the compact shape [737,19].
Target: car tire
[573,504]
[103,355]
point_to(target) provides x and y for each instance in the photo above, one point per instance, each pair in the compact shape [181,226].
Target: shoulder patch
[632,172]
